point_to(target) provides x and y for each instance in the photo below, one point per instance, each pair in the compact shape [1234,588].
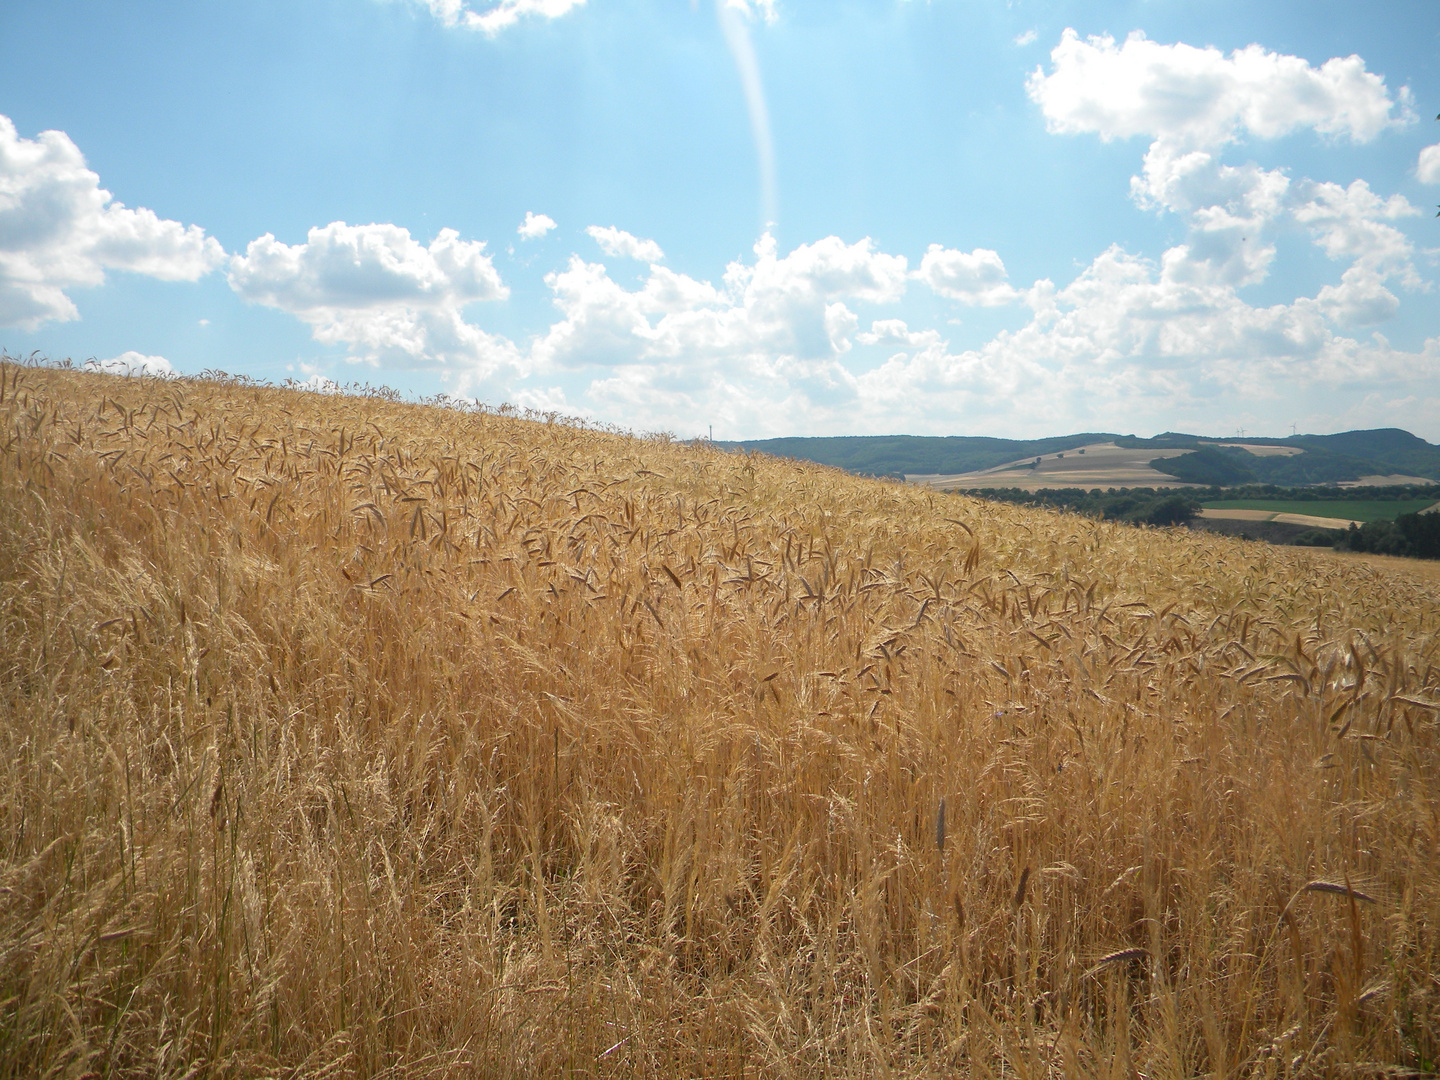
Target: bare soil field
[345,737]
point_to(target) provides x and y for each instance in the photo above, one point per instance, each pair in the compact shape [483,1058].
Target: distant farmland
[1351,509]
[347,737]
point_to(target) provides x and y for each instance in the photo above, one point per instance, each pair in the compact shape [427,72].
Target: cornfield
[341,736]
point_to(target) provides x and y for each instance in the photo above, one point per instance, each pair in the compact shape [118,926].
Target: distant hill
[1313,459]
[898,455]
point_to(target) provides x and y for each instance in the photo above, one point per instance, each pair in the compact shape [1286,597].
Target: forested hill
[1323,459]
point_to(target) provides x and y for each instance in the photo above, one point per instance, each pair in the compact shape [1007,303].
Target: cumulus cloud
[779,319]
[1200,97]
[767,348]
[974,277]
[1149,340]
[1156,340]
[621,245]
[897,332]
[496,17]
[383,294]
[544,399]
[1191,102]
[1352,223]
[1427,170]
[344,267]
[1349,223]
[535,225]
[759,351]
[59,230]
[779,312]
[1126,339]
[1027,38]
[133,363]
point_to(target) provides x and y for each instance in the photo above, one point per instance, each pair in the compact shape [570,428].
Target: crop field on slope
[342,737]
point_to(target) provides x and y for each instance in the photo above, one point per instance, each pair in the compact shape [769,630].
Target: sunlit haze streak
[737,36]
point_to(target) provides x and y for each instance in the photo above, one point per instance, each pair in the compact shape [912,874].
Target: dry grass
[346,737]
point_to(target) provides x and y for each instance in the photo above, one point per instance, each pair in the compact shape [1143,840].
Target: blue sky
[777,218]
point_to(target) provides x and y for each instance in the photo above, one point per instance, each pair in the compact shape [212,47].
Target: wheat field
[341,736]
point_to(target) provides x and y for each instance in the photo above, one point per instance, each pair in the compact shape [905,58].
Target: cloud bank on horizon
[838,335]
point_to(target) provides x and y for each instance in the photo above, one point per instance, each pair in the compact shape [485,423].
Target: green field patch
[1344,509]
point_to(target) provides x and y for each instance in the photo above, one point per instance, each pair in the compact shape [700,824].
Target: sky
[747,217]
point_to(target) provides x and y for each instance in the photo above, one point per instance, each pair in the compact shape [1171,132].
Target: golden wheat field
[347,737]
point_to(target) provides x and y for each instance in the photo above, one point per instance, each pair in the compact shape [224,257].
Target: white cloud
[1128,340]
[976,278]
[828,268]
[1201,98]
[897,332]
[499,16]
[762,350]
[1027,38]
[1131,341]
[59,229]
[767,350]
[1427,169]
[365,267]
[603,323]
[1361,299]
[535,225]
[133,363]
[544,399]
[780,320]
[776,313]
[1164,339]
[1348,223]
[621,245]
[1192,102]
[1229,210]
[383,294]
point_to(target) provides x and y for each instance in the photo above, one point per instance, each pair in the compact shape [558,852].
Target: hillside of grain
[344,737]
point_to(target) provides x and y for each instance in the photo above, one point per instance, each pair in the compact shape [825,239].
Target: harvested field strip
[341,737]
[1272,515]
[1350,510]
